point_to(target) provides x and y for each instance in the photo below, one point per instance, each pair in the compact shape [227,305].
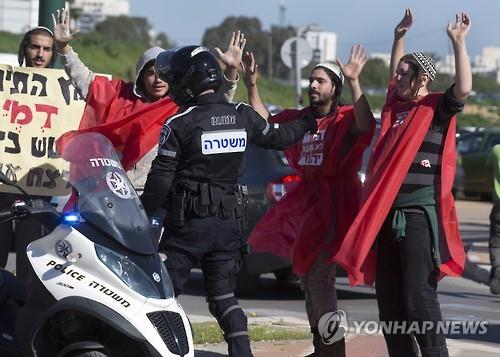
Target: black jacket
[206,141]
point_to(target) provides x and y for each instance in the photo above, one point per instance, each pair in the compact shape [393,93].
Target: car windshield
[470,143]
[106,198]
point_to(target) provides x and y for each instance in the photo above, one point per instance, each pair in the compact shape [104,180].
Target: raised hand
[250,69]
[232,57]
[357,60]
[404,25]
[460,30]
[62,32]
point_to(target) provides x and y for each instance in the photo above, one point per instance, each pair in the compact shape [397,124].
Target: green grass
[9,42]
[271,92]
[209,332]
[100,54]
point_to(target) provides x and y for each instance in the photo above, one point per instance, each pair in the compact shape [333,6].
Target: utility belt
[208,201]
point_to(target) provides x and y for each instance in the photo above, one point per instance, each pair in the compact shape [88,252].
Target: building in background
[487,63]
[91,12]
[18,16]
[323,43]
[447,65]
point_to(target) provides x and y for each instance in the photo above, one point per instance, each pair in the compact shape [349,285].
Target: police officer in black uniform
[194,177]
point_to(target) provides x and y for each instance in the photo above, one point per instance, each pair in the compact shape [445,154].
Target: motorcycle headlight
[133,276]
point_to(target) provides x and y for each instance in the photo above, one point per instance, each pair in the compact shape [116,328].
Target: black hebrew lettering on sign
[36,177]
[66,88]
[8,76]
[43,85]
[43,146]
[20,83]
[14,137]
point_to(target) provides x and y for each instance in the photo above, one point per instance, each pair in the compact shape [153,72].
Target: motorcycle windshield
[106,197]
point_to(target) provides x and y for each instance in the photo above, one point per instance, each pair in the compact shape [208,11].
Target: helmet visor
[163,65]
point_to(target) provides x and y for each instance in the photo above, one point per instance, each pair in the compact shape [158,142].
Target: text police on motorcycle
[200,157]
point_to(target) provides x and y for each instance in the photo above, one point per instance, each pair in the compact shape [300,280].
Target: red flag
[393,154]
[299,225]
[130,123]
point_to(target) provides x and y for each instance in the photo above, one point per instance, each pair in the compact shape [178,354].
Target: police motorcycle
[96,285]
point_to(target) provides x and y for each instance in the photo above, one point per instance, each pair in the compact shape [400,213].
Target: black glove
[310,122]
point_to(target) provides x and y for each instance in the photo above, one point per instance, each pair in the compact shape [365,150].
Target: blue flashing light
[71,218]
[155,222]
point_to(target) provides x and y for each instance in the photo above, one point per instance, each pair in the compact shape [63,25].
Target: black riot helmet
[189,71]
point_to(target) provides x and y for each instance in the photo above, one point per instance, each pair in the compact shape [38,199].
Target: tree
[124,28]
[76,11]
[374,74]
[485,83]
[218,36]
[278,36]
[163,41]
[265,45]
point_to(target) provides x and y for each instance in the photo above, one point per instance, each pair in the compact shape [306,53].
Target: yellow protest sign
[37,106]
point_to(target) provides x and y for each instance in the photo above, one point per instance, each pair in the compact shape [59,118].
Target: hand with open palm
[249,69]
[232,57]
[404,25]
[357,60]
[62,31]
[459,31]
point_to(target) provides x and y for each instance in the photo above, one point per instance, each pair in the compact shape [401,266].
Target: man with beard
[306,225]
[35,50]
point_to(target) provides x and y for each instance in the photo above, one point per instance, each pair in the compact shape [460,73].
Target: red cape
[299,224]
[130,123]
[392,156]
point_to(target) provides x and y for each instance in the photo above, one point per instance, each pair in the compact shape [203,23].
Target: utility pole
[296,54]
[45,10]
[282,17]
[270,56]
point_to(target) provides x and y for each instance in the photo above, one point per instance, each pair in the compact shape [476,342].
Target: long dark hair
[21,55]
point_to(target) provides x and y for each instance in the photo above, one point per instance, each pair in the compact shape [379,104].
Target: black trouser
[406,283]
[6,228]
[214,243]
[494,242]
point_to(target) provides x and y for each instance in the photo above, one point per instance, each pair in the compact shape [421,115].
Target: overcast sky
[369,22]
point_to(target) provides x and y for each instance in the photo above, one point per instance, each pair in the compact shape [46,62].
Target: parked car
[474,150]
[267,175]
[368,150]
